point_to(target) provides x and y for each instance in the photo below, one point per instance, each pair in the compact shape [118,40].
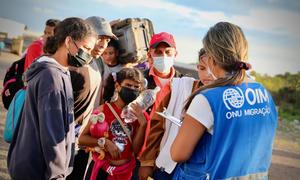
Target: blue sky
[271,26]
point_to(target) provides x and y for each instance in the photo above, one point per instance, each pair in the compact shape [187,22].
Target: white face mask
[163,64]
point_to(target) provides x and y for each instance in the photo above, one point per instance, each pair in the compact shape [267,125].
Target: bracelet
[101,142]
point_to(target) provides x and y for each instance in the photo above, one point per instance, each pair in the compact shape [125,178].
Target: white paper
[170,118]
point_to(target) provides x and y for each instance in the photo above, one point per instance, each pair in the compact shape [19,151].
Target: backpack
[13,81]
[134,35]
[14,114]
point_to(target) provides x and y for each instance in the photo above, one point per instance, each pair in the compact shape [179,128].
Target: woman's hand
[112,149]
[138,112]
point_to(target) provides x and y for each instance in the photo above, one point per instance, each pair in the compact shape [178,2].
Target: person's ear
[117,86]
[150,58]
[68,41]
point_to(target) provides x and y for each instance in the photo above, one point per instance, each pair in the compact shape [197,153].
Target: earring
[115,96]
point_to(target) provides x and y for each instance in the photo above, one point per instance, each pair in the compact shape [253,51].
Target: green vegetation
[285,90]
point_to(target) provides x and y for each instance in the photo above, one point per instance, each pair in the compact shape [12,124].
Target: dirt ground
[286,152]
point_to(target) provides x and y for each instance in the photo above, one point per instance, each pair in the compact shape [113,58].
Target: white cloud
[187,48]
[198,18]
[265,56]
[274,21]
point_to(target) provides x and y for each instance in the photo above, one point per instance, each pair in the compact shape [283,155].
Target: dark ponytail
[74,27]
[133,74]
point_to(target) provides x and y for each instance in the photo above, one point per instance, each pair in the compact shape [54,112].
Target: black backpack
[13,81]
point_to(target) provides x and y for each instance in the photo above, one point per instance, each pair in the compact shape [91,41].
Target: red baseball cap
[162,37]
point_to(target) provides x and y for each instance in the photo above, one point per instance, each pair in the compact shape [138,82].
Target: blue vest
[245,121]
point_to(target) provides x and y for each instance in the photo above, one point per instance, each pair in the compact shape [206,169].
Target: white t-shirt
[200,110]
[110,69]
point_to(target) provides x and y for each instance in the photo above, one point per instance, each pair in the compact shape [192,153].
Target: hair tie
[242,65]
[114,75]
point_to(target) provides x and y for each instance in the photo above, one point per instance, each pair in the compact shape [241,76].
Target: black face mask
[128,95]
[80,59]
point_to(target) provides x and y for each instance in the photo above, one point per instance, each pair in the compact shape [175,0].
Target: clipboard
[170,118]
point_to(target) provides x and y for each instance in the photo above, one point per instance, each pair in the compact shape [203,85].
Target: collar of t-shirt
[161,82]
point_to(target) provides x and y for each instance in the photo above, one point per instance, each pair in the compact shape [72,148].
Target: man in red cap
[161,58]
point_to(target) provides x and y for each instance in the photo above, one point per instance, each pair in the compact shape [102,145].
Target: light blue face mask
[163,64]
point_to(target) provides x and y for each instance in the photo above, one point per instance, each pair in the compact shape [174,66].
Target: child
[121,141]
[111,59]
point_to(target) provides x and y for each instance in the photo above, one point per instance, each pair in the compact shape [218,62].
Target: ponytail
[74,27]
[228,80]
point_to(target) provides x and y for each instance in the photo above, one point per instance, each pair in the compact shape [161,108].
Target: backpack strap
[120,121]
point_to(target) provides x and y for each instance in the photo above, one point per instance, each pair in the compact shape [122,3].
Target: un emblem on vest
[233,98]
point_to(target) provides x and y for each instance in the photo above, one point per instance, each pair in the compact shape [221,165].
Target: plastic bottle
[144,100]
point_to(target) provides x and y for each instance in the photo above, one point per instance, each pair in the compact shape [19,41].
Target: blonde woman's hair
[226,44]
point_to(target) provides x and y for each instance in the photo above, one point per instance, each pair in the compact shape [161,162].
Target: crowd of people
[76,87]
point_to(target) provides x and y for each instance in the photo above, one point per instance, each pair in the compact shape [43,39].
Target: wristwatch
[101,142]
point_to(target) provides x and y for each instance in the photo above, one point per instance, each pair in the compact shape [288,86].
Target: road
[285,160]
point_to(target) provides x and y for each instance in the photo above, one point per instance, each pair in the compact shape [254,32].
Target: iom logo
[233,98]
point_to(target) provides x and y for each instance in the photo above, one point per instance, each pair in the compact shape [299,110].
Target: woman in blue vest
[229,125]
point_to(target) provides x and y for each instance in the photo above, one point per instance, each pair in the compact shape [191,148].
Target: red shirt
[34,50]
[116,133]
[164,90]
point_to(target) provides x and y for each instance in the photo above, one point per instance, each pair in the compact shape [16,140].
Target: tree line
[285,89]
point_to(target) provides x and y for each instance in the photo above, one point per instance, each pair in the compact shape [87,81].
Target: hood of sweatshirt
[42,63]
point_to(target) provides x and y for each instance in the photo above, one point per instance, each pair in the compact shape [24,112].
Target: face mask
[80,59]
[163,64]
[128,95]
[209,70]
[211,74]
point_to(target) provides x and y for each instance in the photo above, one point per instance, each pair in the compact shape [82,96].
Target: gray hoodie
[43,142]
